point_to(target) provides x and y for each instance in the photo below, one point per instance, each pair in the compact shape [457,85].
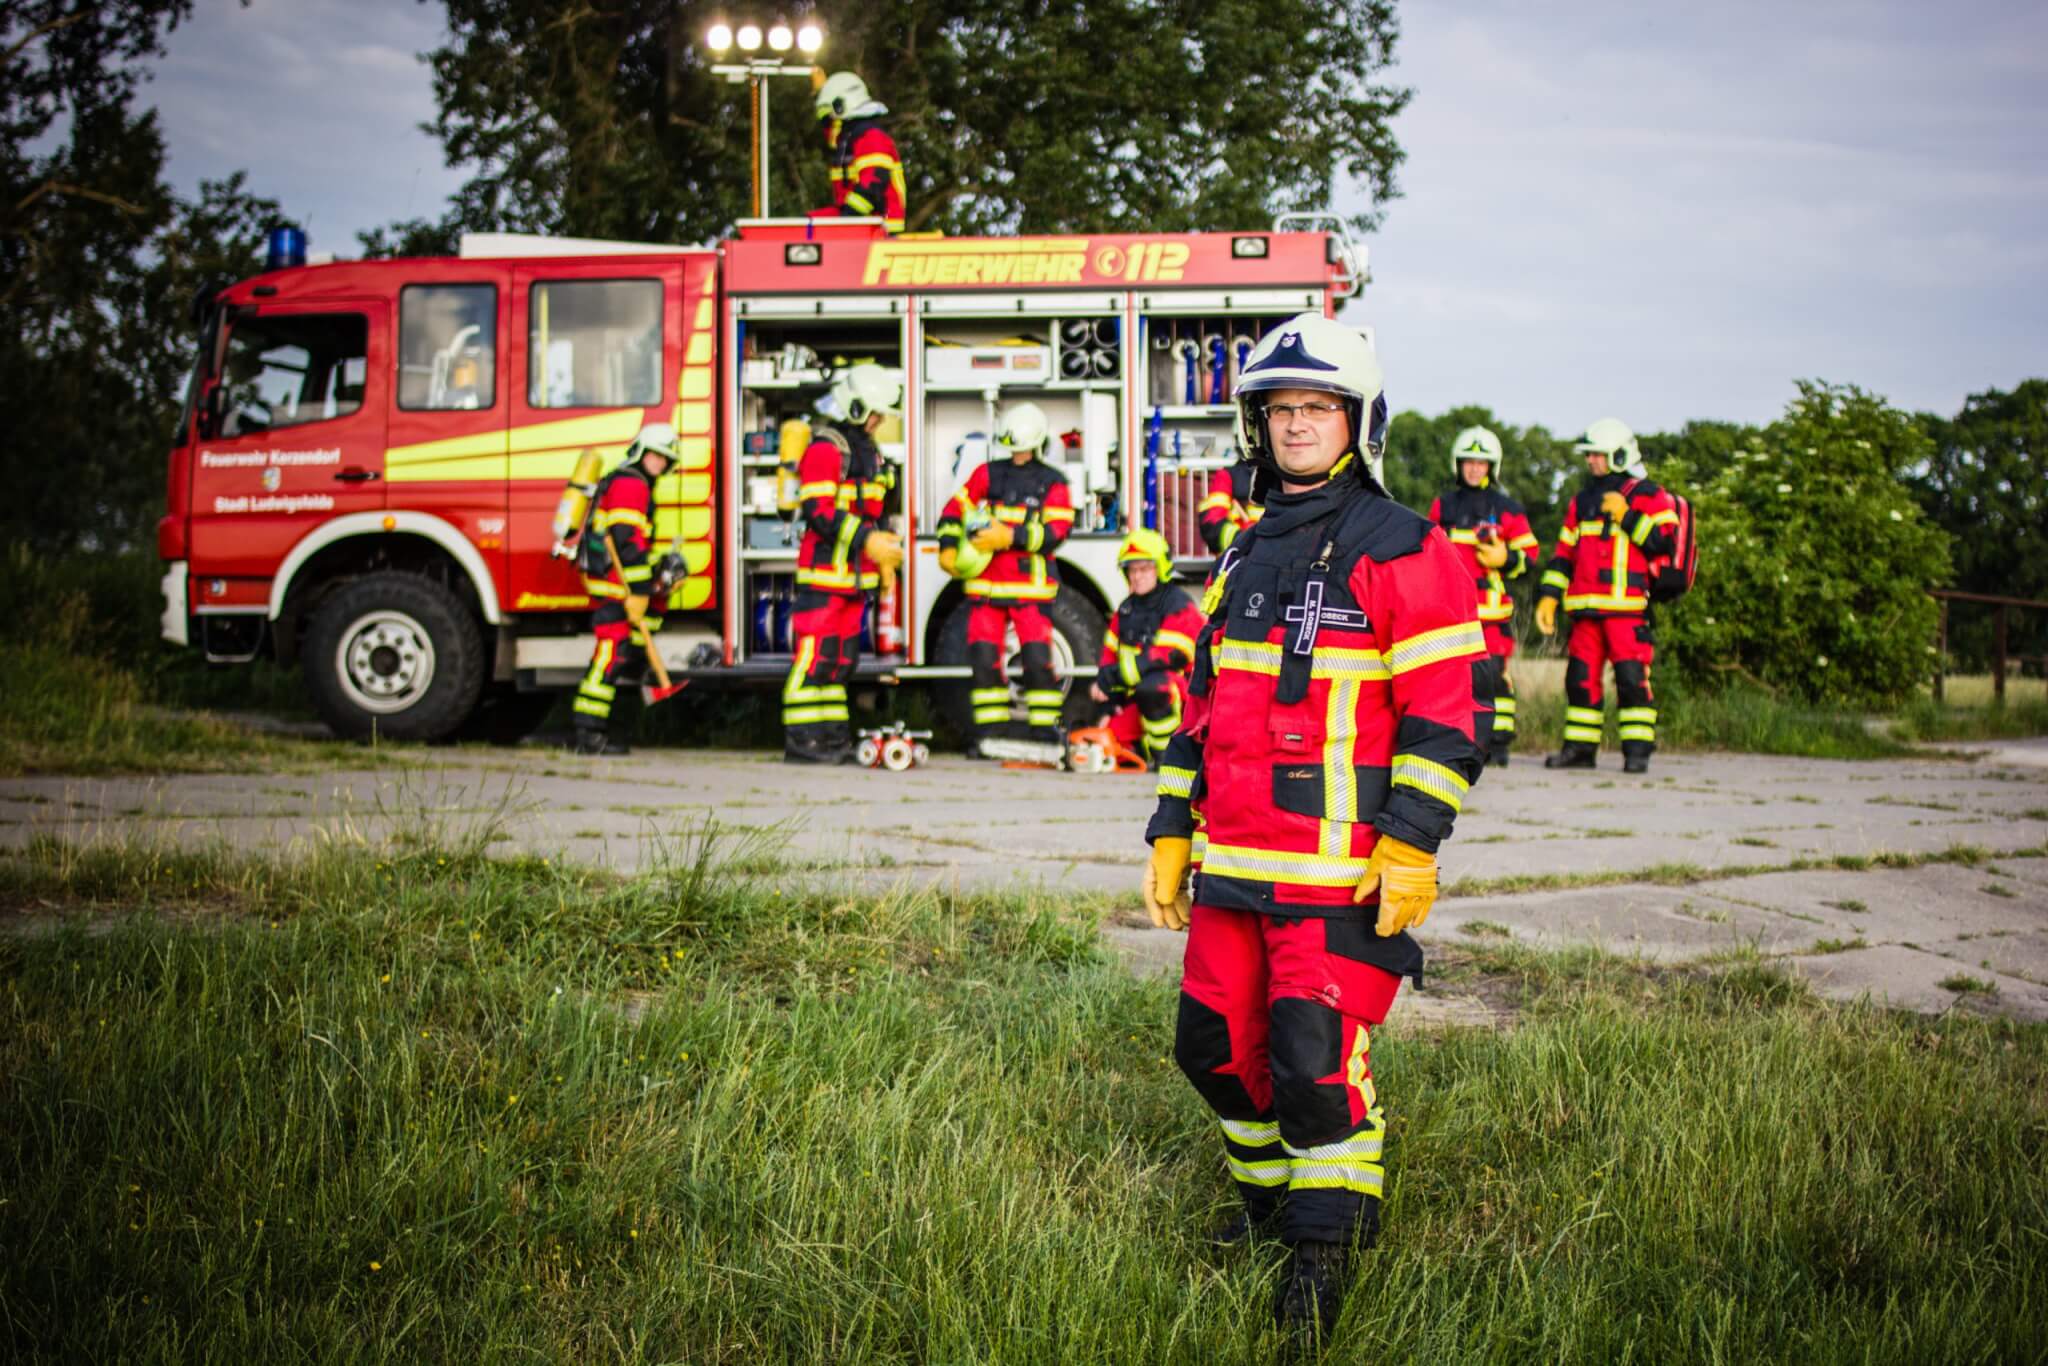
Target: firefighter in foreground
[1149,650]
[867,175]
[1326,752]
[622,575]
[844,555]
[1491,534]
[1227,508]
[1014,513]
[1614,526]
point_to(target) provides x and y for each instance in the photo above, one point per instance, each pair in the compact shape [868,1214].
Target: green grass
[1745,720]
[1681,874]
[77,715]
[419,1104]
[1927,719]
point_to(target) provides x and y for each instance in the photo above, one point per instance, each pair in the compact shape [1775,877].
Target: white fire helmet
[843,96]
[1475,443]
[1612,436]
[1024,428]
[868,388]
[1310,351]
[658,437]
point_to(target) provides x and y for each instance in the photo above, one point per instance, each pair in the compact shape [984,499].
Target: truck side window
[447,346]
[594,344]
[285,370]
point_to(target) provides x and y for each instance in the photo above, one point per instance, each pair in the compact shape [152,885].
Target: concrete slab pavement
[1730,827]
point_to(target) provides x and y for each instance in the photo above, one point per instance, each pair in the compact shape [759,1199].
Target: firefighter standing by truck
[629,585]
[1491,533]
[844,555]
[867,174]
[1149,650]
[1615,524]
[1016,513]
[1227,508]
[1326,752]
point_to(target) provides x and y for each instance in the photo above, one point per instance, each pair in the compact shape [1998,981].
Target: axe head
[653,693]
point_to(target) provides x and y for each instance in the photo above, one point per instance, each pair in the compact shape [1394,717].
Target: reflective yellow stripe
[1252,1133]
[1174,640]
[1329,661]
[1213,502]
[1645,715]
[825,490]
[1271,865]
[1175,782]
[1127,664]
[1426,775]
[1057,514]
[612,517]
[1275,1171]
[1433,647]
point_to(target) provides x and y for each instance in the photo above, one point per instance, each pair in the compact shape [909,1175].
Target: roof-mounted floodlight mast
[755,68]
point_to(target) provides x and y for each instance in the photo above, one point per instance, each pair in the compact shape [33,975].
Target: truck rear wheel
[394,655]
[1077,628]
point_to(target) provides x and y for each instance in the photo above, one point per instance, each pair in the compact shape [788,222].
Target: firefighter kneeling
[1326,752]
[1149,649]
[628,584]
[844,555]
[1614,526]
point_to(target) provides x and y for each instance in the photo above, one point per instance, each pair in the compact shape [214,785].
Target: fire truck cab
[368,468]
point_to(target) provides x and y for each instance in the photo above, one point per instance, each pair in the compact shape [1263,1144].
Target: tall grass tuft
[412,1102]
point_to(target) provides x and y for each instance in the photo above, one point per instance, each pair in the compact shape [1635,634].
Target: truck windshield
[290,369]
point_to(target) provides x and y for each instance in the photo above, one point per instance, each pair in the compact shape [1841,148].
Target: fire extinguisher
[888,630]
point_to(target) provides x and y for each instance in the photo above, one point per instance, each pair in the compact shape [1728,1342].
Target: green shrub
[1814,557]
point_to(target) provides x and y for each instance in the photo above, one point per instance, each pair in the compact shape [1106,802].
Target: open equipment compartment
[788,352]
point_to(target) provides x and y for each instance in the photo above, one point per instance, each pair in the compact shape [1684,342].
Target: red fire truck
[367,472]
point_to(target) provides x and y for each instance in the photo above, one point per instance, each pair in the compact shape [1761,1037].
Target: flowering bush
[1814,557]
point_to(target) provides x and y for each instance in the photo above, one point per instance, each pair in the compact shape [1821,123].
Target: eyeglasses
[1314,412]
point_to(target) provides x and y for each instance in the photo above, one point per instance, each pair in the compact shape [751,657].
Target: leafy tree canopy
[605,120]
[1814,557]
[99,261]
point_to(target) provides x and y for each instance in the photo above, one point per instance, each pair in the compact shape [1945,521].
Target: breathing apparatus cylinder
[572,509]
[791,443]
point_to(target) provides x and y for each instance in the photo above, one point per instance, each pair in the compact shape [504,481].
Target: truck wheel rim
[1013,666]
[385,662]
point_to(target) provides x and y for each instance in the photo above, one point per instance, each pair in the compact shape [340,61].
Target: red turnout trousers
[1631,645]
[1275,1032]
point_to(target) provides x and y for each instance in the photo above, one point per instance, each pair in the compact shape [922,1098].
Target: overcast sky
[1645,210]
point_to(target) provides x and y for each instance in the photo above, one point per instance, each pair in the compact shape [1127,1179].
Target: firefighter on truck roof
[867,175]
[1227,508]
[1023,511]
[1614,526]
[1491,533]
[1150,648]
[1326,752]
[845,554]
[628,584]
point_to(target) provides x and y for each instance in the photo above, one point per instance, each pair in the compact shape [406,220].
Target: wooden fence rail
[2000,606]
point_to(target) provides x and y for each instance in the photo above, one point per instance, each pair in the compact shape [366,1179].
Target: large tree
[605,120]
[1986,484]
[98,262]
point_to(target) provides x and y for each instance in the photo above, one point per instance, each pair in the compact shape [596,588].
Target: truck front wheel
[394,655]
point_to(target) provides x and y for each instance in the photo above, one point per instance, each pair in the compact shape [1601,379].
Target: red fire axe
[664,689]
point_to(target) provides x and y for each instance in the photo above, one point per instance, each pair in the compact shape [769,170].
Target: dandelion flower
[376,1266]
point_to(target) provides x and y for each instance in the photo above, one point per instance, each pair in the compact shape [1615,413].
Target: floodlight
[810,38]
[779,38]
[749,37]
[719,37]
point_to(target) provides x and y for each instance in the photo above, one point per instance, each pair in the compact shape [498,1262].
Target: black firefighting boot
[1311,1292]
[594,740]
[1635,758]
[1247,1225]
[1497,756]
[808,746]
[1573,755]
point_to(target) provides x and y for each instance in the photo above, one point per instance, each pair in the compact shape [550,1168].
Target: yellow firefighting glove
[1493,554]
[993,537]
[948,556]
[885,548]
[1164,874]
[1546,616]
[1405,878]
[1613,506]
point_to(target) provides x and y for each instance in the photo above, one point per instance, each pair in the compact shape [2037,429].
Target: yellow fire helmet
[1142,545]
